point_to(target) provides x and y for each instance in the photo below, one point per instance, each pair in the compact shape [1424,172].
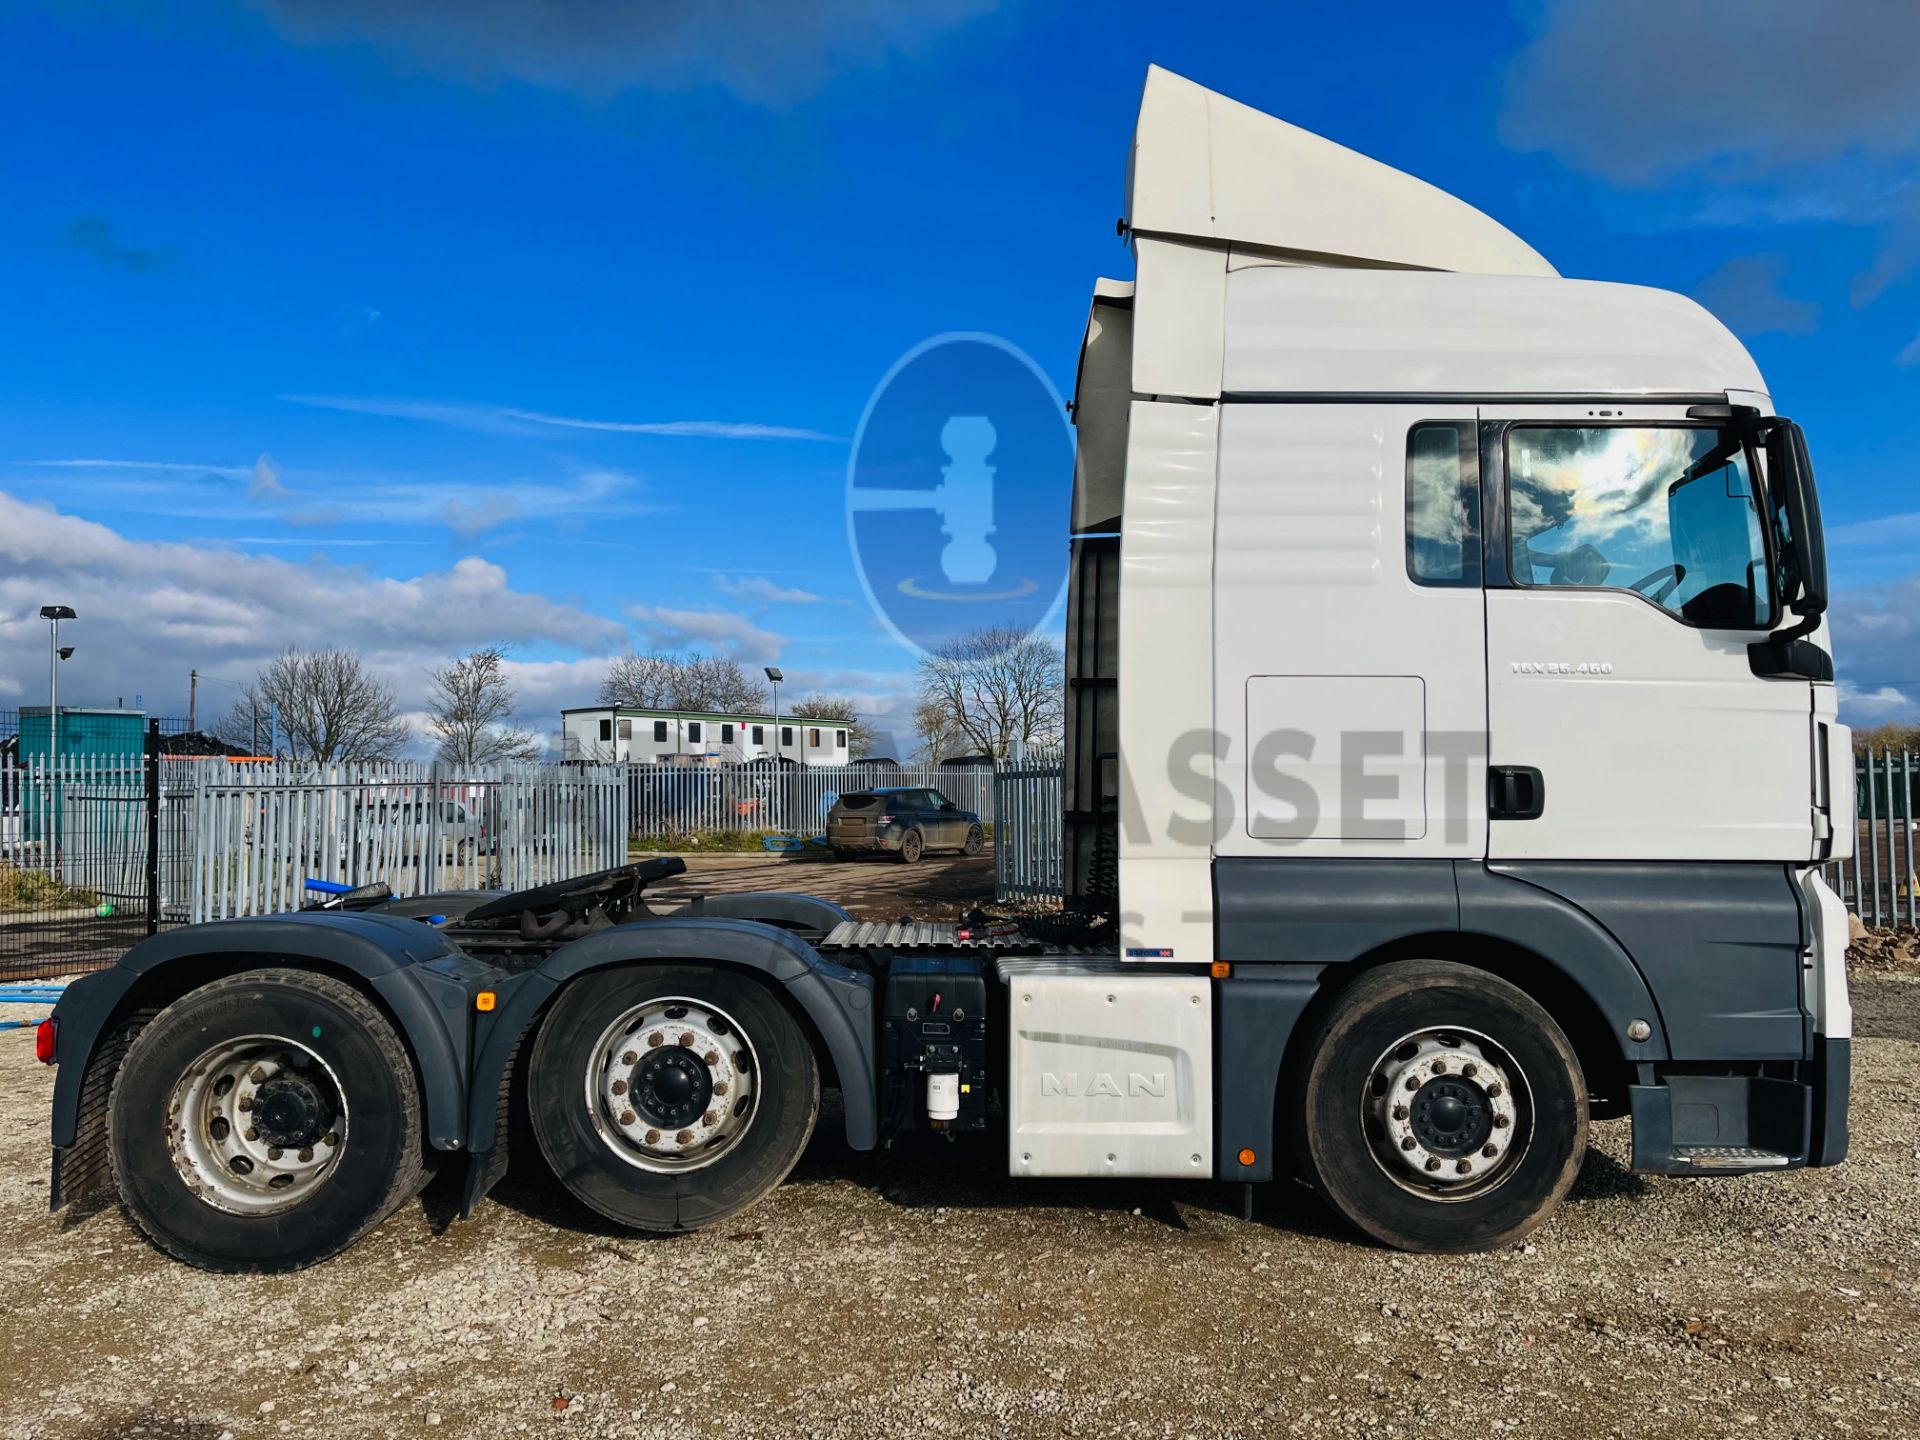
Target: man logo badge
[1075,1086]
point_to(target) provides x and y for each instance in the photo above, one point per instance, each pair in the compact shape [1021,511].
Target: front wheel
[264,1122]
[975,842]
[668,1098]
[1442,1108]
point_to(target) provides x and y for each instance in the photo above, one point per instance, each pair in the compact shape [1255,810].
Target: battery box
[933,1021]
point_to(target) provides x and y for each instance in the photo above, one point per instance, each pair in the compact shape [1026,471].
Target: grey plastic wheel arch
[837,1001]
[775,907]
[423,982]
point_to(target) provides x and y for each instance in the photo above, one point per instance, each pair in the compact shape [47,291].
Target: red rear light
[43,1041]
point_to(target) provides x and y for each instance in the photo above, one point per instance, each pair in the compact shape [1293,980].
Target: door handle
[1515,792]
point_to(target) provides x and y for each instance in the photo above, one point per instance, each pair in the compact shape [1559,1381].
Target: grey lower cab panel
[1721,1125]
[1718,943]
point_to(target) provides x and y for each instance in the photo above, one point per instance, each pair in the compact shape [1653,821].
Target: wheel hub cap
[256,1125]
[1443,1113]
[672,1085]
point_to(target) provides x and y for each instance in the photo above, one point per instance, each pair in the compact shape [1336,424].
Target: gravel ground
[920,1292]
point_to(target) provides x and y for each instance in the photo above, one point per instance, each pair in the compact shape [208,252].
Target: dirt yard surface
[920,1292]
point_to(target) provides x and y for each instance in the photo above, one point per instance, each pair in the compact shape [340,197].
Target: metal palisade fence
[673,800]
[256,834]
[1028,857]
[1879,882]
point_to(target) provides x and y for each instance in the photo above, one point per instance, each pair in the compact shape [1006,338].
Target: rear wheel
[670,1098]
[911,846]
[1442,1108]
[264,1122]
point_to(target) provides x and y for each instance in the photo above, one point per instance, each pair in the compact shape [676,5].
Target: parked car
[403,830]
[902,820]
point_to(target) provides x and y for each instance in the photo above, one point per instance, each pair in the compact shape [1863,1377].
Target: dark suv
[904,820]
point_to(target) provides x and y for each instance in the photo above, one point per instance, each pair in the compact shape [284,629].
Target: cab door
[1628,571]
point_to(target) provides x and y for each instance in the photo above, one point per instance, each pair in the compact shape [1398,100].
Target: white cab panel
[1369,784]
[1101,394]
[1166,680]
[1319,629]
[1179,318]
[1111,1073]
[1372,332]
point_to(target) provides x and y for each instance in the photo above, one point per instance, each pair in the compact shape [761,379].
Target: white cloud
[511,420]
[1745,293]
[149,612]
[759,587]
[1785,111]
[1876,650]
[265,484]
[225,472]
[768,52]
[723,632]
[1910,352]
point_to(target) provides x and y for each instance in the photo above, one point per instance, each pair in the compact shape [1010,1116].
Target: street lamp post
[55,613]
[773,674]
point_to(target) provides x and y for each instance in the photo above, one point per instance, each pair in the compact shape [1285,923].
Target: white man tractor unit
[1452,752]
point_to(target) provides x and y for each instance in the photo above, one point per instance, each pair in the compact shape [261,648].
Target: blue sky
[548,324]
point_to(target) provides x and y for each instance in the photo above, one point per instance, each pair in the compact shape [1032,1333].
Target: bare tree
[248,724]
[938,736]
[996,686]
[641,682]
[693,681]
[471,706]
[1894,735]
[838,710]
[325,705]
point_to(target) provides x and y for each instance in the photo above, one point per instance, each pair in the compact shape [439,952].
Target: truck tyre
[1441,1108]
[264,1122]
[668,1098]
[911,844]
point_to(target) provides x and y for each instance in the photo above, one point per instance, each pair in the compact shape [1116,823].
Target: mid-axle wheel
[667,1098]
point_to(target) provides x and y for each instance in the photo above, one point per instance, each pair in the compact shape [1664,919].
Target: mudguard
[837,1001]
[807,914]
[425,983]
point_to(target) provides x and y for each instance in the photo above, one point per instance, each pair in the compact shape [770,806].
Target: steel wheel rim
[1446,1113]
[673,1085]
[256,1125]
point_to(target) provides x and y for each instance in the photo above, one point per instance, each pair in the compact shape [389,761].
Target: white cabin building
[611,734]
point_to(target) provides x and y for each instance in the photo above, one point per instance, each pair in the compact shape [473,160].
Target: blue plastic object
[329,887]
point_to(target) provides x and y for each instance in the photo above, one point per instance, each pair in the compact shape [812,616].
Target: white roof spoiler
[1208,168]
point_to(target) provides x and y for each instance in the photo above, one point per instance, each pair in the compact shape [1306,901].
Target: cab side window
[1668,512]
[1443,504]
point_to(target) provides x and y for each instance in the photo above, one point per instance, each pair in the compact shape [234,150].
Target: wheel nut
[306,1155]
[629,1058]
[685,1137]
[1489,1150]
[1413,1082]
[627,1117]
[274,1153]
[257,1074]
[712,1057]
[1465,1167]
[653,1137]
[619,1087]
[246,1104]
[719,1087]
[1399,1112]
[711,1118]
[1439,1067]
[653,1042]
[1408,1143]
[329,1140]
[1494,1090]
[252,1134]
[1433,1163]
[1500,1122]
[1469,1070]
[686,1039]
